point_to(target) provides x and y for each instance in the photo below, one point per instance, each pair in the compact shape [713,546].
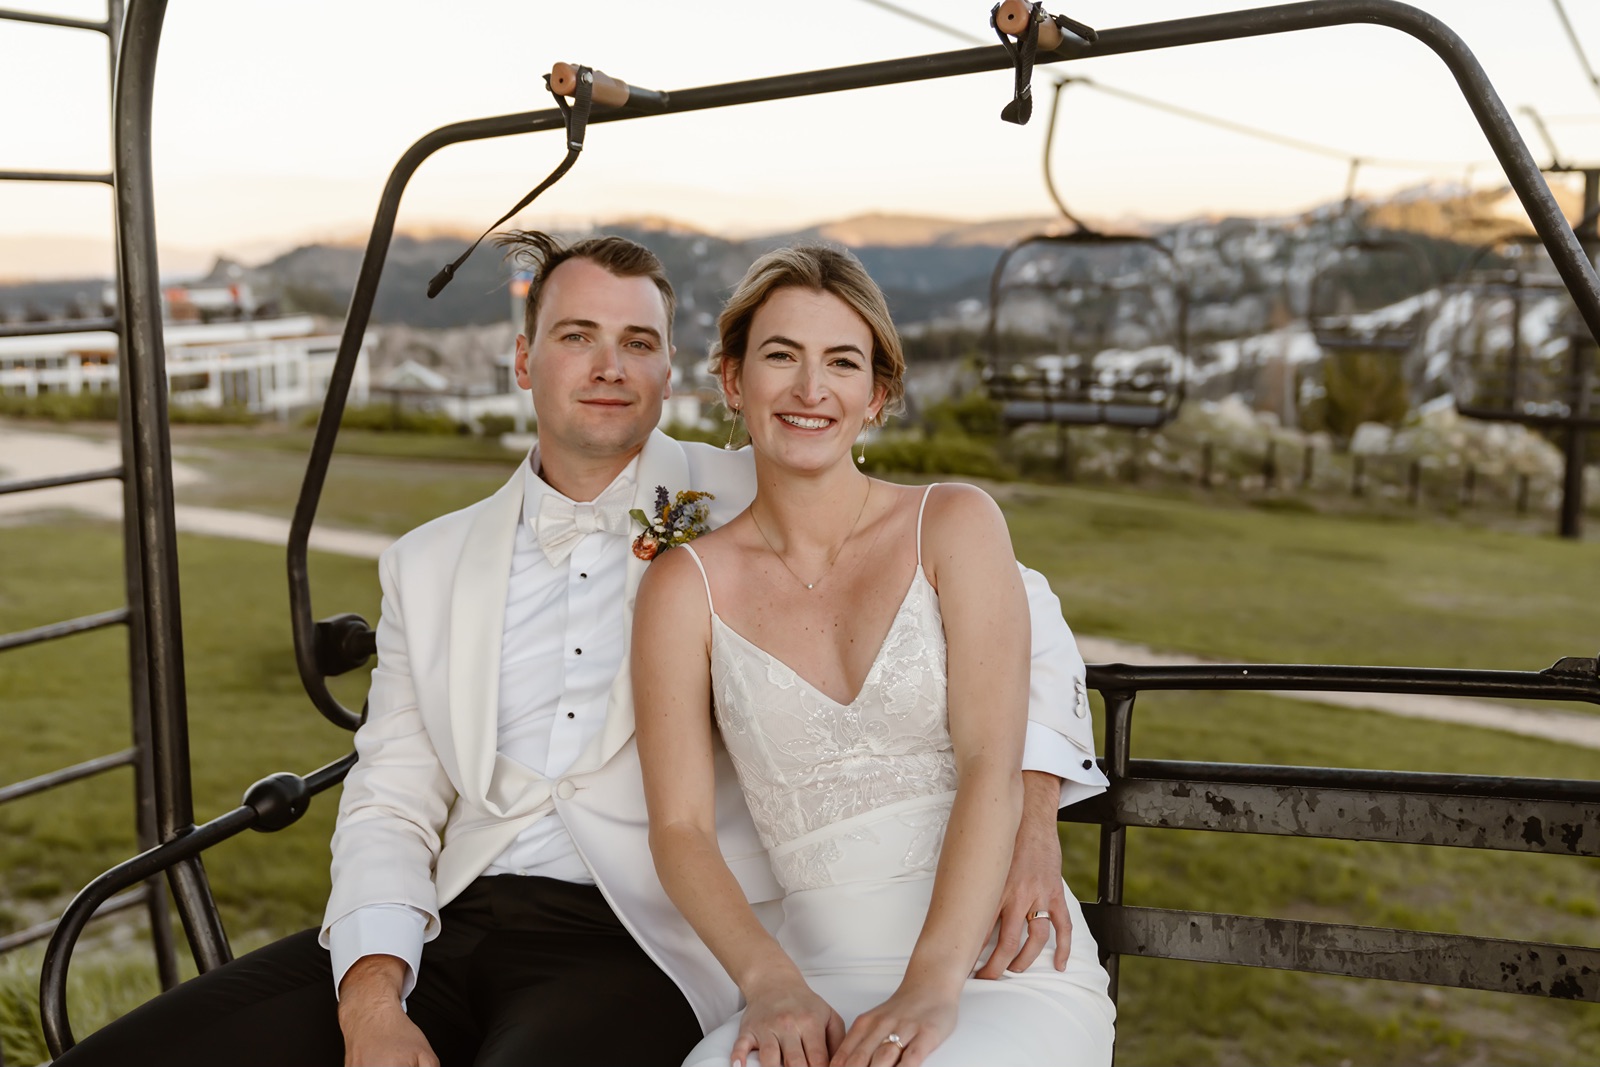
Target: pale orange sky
[278,121]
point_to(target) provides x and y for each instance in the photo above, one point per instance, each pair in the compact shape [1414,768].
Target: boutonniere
[677,521]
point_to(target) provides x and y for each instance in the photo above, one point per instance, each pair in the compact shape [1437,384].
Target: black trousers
[525,971]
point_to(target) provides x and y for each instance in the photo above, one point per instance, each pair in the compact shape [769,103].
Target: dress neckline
[877,659]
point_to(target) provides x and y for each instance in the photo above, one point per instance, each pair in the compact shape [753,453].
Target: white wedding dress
[852,801]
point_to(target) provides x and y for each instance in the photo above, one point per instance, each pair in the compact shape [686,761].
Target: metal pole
[150,473]
[1577,442]
[138,643]
[1113,870]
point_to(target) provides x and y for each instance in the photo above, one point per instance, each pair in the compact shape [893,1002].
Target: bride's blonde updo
[824,270]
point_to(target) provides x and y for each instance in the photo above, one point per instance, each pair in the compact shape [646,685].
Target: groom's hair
[540,253]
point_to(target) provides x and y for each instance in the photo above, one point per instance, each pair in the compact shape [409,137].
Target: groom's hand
[377,1032]
[1033,885]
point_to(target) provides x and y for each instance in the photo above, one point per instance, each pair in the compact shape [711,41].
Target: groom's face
[599,364]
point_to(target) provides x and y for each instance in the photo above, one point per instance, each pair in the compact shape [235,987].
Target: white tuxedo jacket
[430,803]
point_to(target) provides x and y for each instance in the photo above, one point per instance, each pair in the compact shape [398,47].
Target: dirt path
[1567,727]
[26,454]
[30,454]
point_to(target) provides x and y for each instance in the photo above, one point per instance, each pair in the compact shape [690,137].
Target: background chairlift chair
[1351,302]
[1520,350]
[1085,328]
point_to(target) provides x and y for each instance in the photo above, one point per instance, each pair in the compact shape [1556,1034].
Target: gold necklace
[832,558]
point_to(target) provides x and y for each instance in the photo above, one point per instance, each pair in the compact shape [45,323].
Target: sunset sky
[277,122]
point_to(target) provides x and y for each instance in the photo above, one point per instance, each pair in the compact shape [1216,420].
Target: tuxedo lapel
[662,463]
[477,622]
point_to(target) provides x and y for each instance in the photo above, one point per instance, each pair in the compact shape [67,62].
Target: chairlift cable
[1544,132]
[932,24]
[1257,132]
[1285,140]
[1577,45]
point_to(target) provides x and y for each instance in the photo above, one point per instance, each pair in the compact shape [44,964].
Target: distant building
[268,366]
[422,388]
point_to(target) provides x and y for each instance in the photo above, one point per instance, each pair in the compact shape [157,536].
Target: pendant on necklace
[811,585]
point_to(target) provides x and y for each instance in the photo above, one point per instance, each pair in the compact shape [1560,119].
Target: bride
[863,648]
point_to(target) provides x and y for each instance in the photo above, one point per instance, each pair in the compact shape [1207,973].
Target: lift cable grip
[577,119]
[1023,28]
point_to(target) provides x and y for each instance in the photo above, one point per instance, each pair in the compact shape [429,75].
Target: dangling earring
[733,425]
[861,439]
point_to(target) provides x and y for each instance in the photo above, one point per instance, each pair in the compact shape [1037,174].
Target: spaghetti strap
[920,509]
[703,577]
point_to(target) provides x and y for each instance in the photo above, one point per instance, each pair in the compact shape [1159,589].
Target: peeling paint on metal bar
[1564,972]
[1562,828]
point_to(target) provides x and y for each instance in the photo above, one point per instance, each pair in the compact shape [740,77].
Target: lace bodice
[820,776]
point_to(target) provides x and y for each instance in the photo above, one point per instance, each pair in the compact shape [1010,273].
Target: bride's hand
[789,1025]
[903,1030]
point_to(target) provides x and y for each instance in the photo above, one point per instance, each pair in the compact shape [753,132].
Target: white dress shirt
[560,651]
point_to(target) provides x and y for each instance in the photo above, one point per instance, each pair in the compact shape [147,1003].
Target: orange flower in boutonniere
[677,521]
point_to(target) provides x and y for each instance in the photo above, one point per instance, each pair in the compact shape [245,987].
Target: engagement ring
[894,1039]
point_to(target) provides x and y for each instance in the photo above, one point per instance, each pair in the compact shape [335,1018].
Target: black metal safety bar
[140,755]
[1553,816]
[82,624]
[53,176]
[150,489]
[39,932]
[78,771]
[101,475]
[1493,118]
[107,27]
[147,445]
[269,805]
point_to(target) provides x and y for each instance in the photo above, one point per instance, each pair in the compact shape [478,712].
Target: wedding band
[894,1039]
[1032,915]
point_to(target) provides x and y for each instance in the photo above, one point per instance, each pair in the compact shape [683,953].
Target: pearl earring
[733,426]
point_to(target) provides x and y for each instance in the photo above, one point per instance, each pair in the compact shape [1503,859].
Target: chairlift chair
[1351,303]
[1518,350]
[1187,795]
[1086,329]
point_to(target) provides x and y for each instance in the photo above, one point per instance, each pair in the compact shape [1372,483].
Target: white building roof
[177,333]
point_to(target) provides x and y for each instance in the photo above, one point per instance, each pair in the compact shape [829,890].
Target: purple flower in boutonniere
[677,521]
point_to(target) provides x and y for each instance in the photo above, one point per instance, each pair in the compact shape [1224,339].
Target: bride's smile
[806,386]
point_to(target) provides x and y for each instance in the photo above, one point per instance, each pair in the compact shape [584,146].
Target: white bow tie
[562,523]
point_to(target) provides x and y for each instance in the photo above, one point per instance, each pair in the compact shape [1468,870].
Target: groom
[494,899]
